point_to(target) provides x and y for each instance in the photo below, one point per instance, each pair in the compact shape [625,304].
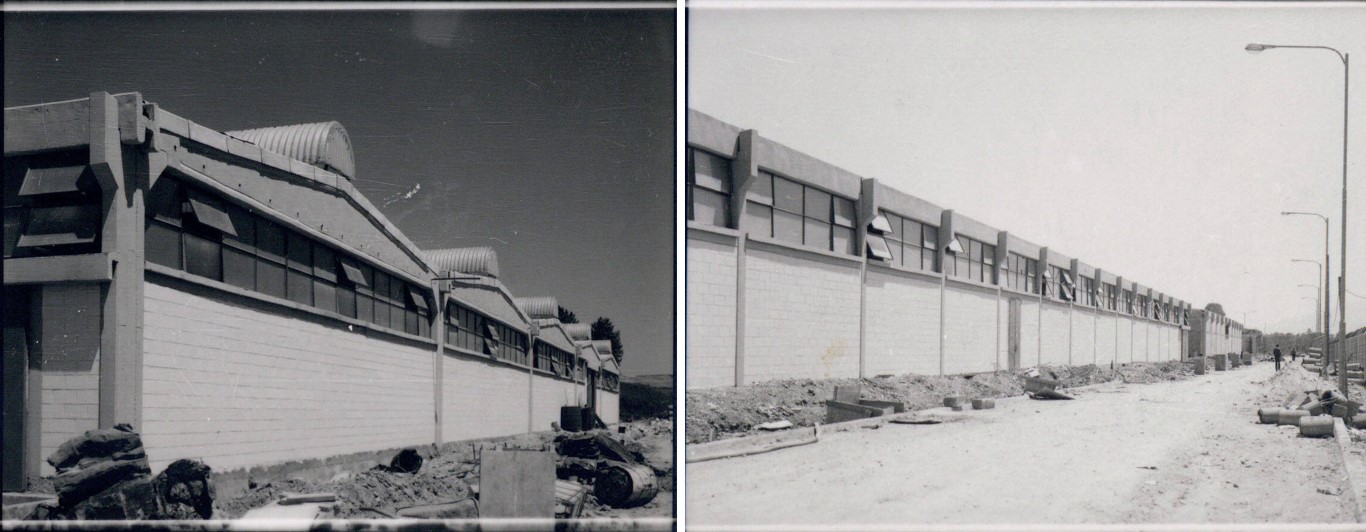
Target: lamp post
[1317,306]
[1317,300]
[1342,277]
[1327,298]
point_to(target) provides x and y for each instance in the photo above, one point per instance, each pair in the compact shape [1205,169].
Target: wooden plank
[517,484]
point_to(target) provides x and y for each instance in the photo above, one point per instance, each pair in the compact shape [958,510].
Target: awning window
[419,300]
[58,180]
[210,214]
[954,246]
[352,273]
[880,225]
[877,248]
[60,226]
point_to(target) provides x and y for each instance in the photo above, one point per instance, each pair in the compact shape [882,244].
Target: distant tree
[1215,308]
[567,316]
[604,330]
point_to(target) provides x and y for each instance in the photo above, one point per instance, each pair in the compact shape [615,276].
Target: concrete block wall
[609,407]
[901,323]
[237,387]
[70,407]
[1107,329]
[801,315]
[1055,344]
[482,399]
[969,323]
[1029,332]
[1083,336]
[1124,327]
[68,345]
[548,395]
[711,286]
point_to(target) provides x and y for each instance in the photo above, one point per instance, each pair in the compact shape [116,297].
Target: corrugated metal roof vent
[322,144]
[475,261]
[579,331]
[603,347]
[544,307]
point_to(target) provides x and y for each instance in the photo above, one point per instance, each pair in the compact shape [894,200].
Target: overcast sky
[1140,139]
[547,135]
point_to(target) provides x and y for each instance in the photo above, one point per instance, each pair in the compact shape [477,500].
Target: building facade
[800,269]
[236,300]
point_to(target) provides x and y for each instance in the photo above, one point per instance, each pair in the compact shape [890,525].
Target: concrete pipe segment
[1267,416]
[1290,417]
[983,404]
[1316,426]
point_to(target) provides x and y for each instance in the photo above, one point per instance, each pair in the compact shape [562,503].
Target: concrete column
[744,169]
[946,235]
[439,361]
[122,172]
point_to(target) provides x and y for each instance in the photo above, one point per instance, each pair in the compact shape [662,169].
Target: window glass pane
[239,268]
[961,265]
[300,252]
[324,263]
[382,288]
[365,308]
[398,293]
[164,200]
[270,240]
[424,325]
[974,270]
[974,250]
[324,295]
[381,315]
[202,257]
[817,234]
[299,287]
[950,267]
[787,227]
[928,259]
[759,219]
[163,244]
[844,212]
[346,302]
[989,254]
[396,317]
[817,205]
[245,225]
[270,278]
[410,321]
[762,189]
[930,236]
[893,247]
[711,171]
[709,207]
[787,195]
[910,231]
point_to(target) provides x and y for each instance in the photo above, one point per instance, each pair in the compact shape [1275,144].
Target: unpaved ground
[1170,452]
[451,476]
[721,413]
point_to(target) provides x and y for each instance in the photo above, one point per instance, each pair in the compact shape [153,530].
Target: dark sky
[548,135]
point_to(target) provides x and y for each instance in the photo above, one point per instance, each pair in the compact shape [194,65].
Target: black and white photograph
[312,265]
[974,264]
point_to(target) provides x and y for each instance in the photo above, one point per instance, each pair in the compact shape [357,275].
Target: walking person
[1293,354]
[1276,353]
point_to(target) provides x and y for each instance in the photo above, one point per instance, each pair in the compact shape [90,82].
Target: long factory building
[799,269]
[236,300]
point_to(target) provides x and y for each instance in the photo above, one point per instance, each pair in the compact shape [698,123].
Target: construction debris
[774,425]
[104,474]
[983,404]
[625,485]
[1049,395]
[406,461]
[1316,426]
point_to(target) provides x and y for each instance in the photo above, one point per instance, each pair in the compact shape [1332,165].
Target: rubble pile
[104,474]
[450,478]
[720,413]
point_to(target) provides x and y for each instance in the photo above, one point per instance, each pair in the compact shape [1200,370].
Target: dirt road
[1176,452]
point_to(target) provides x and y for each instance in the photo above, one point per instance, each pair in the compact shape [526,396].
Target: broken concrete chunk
[774,425]
[406,461]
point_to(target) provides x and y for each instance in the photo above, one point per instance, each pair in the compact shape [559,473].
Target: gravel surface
[1181,451]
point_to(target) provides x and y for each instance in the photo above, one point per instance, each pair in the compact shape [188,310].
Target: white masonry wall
[1105,338]
[609,407]
[1055,344]
[901,324]
[802,315]
[549,394]
[1029,332]
[483,399]
[237,387]
[969,329]
[1083,336]
[711,311]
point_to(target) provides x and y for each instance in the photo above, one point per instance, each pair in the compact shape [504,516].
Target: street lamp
[1317,300]
[1327,299]
[1342,277]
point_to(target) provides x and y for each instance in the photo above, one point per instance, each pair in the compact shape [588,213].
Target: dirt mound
[720,413]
